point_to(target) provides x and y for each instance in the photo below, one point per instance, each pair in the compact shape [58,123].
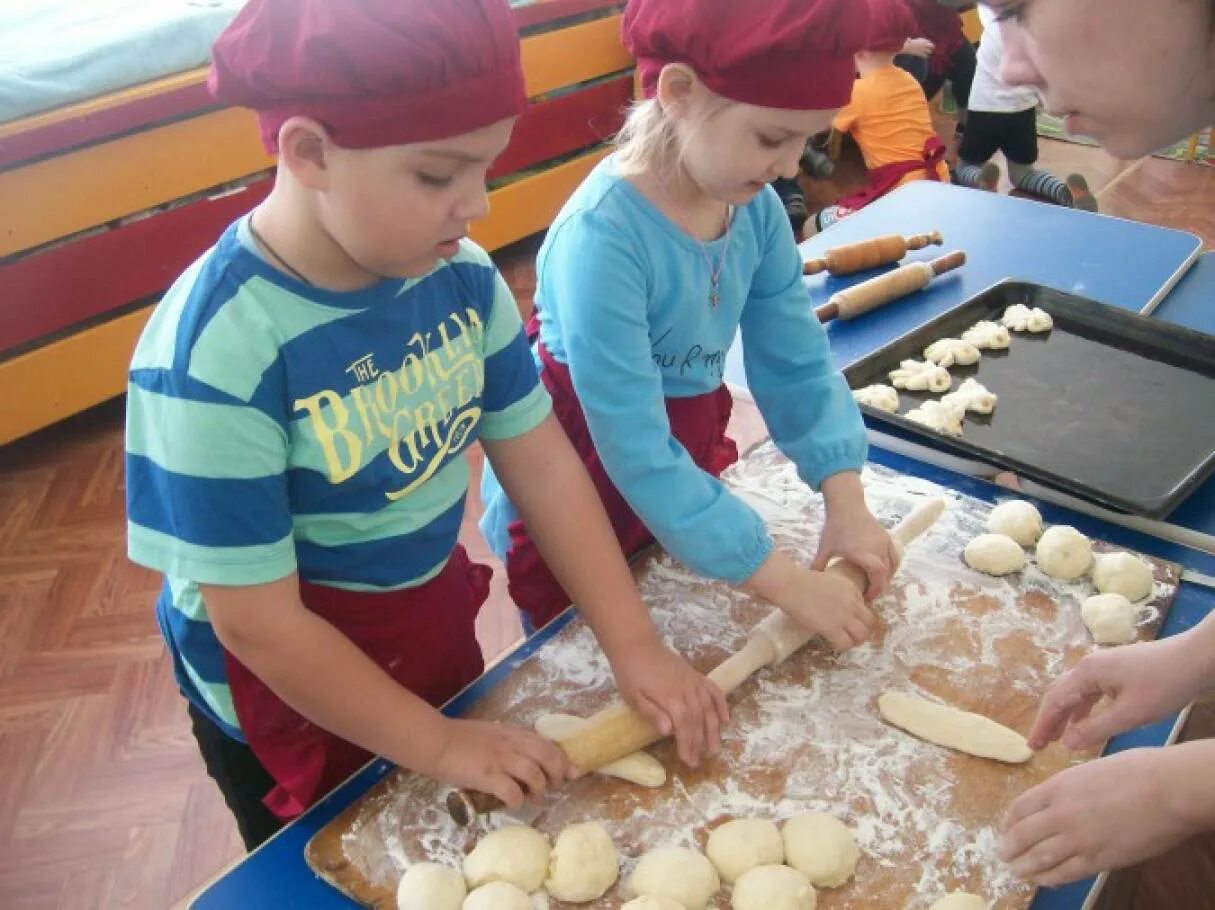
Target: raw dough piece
[821,847]
[498,896]
[948,351]
[639,768]
[1021,318]
[743,844]
[988,336]
[972,395]
[431,886]
[650,902]
[882,397]
[953,728]
[773,888]
[1110,618]
[1064,553]
[1122,573]
[960,900]
[938,415]
[1017,519]
[516,854]
[679,873]
[583,864]
[919,376]
[995,554]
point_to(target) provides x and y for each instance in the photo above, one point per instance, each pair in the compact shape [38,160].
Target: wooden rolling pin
[876,292]
[853,257]
[618,730]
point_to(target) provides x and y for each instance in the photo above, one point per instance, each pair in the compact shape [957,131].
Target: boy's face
[738,148]
[1133,74]
[396,211]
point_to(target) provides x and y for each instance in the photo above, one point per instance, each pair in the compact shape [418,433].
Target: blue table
[1128,264]
[276,875]
[1192,302]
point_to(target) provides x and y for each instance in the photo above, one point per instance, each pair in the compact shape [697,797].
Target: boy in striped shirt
[300,405]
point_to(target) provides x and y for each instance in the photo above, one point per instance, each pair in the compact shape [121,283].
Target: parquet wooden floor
[103,799]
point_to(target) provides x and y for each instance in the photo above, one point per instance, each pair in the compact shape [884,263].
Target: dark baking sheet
[1115,407]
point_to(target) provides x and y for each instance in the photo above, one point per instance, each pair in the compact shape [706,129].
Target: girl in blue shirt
[670,246]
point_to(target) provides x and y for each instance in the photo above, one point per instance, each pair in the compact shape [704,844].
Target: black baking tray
[1112,406]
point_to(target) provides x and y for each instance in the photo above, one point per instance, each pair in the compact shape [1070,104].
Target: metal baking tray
[1112,406]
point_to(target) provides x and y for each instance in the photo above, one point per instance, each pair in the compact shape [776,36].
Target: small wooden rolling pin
[853,257]
[618,730]
[876,292]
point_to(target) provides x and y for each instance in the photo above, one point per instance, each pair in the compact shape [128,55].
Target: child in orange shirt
[888,115]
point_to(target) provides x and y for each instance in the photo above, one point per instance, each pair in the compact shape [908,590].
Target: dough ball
[1021,318]
[679,873]
[960,900]
[498,896]
[583,864]
[650,902]
[822,847]
[1110,618]
[1122,573]
[1016,519]
[431,886]
[1064,553]
[919,376]
[995,554]
[773,888]
[516,854]
[743,844]
[972,395]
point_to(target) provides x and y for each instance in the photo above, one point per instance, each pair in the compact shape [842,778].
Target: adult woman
[1135,75]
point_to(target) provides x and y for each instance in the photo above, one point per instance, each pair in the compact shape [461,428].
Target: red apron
[699,423]
[423,637]
[883,179]
[943,27]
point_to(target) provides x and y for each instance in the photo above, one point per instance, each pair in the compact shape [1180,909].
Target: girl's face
[1135,75]
[731,150]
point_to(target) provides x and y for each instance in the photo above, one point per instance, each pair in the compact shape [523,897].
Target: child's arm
[544,478]
[807,404]
[322,675]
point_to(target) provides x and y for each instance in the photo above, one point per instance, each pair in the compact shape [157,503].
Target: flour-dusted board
[804,735]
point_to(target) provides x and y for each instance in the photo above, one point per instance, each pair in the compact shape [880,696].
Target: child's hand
[852,533]
[664,688]
[512,763]
[918,47]
[825,603]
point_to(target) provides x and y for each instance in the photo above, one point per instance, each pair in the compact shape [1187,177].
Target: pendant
[714,295]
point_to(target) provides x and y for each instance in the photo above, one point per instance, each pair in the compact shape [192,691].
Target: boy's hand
[510,762]
[827,604]
[664,688]
[852,533]
[918,47]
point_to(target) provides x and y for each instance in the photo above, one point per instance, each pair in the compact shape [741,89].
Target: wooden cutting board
[804,735]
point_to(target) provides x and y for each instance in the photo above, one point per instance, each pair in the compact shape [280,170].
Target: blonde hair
[649,139]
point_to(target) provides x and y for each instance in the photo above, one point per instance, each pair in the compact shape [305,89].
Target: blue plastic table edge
[286,881]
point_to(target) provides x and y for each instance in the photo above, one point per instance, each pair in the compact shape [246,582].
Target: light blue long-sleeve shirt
[623,297]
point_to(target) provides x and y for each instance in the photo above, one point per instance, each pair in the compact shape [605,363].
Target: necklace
[714,270]
[261,241]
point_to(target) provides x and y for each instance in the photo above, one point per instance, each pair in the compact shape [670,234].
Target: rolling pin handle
[465,805]
[949,262]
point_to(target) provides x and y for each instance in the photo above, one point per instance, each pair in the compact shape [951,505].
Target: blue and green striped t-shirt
[275,427]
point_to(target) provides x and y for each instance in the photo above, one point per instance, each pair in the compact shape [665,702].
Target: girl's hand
[852,533]
[671,695]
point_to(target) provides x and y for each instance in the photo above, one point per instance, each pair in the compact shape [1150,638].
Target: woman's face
[1135,75]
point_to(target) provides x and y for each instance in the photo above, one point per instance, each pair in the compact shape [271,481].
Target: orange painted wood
[69,193]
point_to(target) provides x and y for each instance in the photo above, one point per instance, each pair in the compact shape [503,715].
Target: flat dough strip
[953,728]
